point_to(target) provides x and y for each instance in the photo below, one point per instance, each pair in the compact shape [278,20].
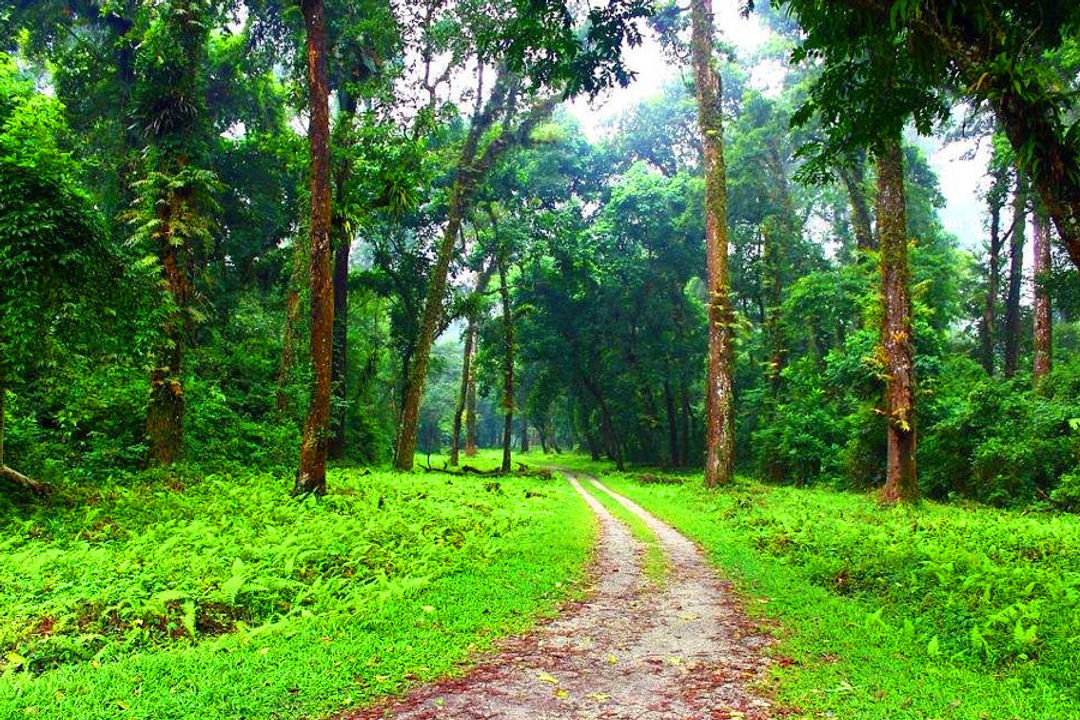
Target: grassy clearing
[655,561]
[222,597]
[941,612]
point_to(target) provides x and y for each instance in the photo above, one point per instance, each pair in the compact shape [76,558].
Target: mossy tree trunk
[901,482]
[720,397]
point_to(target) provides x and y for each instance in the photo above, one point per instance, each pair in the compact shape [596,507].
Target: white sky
[961,179]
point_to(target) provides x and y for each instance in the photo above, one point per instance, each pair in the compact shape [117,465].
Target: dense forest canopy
[454,262]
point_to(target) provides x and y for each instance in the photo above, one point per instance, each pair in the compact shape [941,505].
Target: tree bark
[1043,335]
[854,179]
[468,382]
[524,433]
[986,327]
[1016,279]
[463,394]
[311,476]
[508,366]
[901,482]
[470,411]
[720,400]
[165,410]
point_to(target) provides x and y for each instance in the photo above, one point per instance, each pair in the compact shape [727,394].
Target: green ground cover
[934,611]
[222,597]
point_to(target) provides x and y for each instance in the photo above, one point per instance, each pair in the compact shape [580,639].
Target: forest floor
[634,648]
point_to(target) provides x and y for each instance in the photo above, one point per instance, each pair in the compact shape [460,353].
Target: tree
[55,255]
[901,482]
[311,476]
[995,199]
[170,102]
[1043,331]
[719,384]
[995,52]
[1016,279]
[863,59]
[542,59]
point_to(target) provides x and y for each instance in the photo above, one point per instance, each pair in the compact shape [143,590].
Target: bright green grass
[824,563]
[299,609]
[655,560]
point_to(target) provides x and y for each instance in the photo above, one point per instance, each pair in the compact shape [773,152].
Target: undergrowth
[223,597]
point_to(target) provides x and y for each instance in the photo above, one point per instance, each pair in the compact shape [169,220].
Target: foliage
[118,598]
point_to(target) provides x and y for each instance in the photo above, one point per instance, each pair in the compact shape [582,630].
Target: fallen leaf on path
[611,659]
[688,616]
[599,697]
[548,678]
[562,694]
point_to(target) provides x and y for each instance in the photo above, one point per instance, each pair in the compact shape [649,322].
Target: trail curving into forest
[681,651]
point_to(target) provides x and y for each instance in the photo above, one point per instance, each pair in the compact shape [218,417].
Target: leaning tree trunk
[901,482]
[720,398]
[508,366]
[1043,335]
[311,476]
[1016,279]
[470,171]
[854,179]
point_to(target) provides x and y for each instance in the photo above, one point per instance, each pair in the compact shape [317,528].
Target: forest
[540,359]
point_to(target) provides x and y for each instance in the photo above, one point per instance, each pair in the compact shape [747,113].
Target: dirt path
[679,652]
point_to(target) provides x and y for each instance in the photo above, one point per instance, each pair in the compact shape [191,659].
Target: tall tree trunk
[470,411]
[341,239]
[524,433]
[311,476]
[993,272]
[673,428]
[466,402]
[720,397]
[901,482]
[854,179]
[1016,279]
[508,365]
[1043,335]
[339,361]
[463,394]
[165,410]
